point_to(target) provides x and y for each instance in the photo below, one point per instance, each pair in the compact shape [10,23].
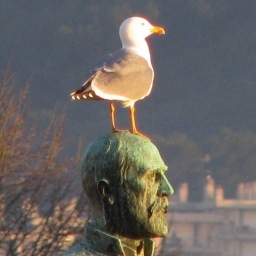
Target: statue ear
[105,192]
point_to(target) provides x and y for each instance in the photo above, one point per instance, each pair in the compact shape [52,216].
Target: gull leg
[133,123]
[112,116]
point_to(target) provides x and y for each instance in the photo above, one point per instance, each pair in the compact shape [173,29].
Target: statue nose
[165,188]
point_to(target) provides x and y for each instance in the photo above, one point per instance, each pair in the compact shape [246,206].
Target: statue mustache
[158,205]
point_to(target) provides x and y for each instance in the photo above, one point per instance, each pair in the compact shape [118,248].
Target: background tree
[40,205]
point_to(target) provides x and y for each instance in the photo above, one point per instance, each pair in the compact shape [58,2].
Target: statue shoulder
[81,249]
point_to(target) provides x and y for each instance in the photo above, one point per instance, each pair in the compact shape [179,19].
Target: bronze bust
[124,178]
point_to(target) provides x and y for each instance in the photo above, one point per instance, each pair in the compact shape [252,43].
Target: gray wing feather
[123,73]
[104,64]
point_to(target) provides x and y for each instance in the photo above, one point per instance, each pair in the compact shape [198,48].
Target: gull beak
[157,30]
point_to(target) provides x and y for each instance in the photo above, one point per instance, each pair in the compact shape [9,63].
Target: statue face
[143,198]
[146,200]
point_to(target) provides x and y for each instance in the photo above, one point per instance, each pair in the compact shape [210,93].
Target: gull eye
[142,23]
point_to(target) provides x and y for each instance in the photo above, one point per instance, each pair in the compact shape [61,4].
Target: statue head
[124,178]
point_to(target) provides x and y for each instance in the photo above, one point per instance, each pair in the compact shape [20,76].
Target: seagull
[125,75]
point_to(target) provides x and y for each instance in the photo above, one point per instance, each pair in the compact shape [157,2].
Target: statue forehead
[144,154]
[130,147]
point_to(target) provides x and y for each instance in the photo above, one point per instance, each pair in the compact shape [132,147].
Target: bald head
[110,157]
[124,178]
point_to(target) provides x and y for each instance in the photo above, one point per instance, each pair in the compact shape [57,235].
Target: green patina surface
[137,150]
[124,178]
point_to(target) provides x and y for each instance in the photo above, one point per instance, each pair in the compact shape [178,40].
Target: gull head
[134,30]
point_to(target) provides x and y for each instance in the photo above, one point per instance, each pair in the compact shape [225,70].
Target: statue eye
[157,177]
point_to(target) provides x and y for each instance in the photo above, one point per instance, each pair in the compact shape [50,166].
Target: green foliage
[186,162]
[232,158]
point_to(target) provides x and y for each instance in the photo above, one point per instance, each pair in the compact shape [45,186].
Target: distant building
[214,227]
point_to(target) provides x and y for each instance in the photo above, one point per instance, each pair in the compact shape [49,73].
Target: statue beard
[161,204]
[157,217]
[128,218]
